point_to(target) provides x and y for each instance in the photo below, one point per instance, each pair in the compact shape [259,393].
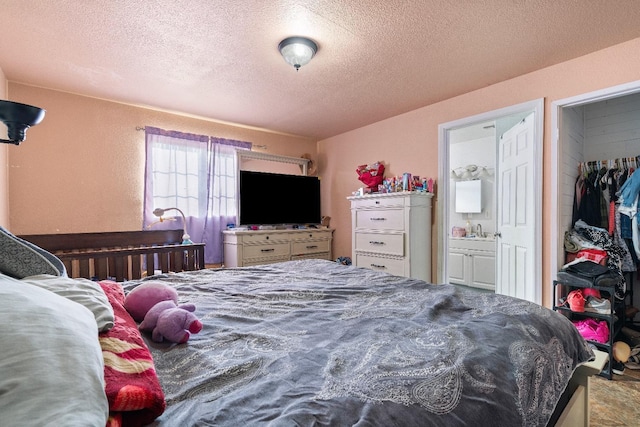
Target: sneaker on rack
[591,292]
[598,305]
[617,367]
[575,299]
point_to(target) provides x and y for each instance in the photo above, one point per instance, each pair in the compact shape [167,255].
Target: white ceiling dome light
[297,51]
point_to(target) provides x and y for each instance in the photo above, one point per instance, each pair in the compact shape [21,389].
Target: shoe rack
[615,318]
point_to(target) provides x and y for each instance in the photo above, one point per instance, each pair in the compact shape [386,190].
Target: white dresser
[392,233]
[254,247]
[472,262]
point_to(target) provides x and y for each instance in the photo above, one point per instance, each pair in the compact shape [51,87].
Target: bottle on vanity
[468,228]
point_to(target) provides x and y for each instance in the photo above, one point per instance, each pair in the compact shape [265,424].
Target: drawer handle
[378,266]
[373,242]
[267,250]
[312,246]
[379,219]
[377,202]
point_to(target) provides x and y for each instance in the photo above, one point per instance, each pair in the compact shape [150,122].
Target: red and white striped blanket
[132,386]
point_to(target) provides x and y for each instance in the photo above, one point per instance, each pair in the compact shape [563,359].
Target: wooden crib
[121,255]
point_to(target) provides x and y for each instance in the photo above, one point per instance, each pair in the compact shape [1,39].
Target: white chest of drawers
[392,233]
[243,248]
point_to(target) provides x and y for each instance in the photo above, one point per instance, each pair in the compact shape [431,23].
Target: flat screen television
[278,199]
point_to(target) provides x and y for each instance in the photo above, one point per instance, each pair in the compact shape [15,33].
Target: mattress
[313,342]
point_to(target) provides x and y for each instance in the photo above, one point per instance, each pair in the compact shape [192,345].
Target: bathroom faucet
[479,230]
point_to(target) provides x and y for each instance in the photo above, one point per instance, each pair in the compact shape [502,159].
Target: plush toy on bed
[155,305]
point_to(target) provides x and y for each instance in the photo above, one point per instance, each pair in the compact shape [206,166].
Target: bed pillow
[82,291]
[51,365]
[20,258]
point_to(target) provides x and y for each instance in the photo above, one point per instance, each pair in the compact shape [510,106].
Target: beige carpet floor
[616,402]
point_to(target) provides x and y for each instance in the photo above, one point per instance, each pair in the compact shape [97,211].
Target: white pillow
[82,291]
[51,365]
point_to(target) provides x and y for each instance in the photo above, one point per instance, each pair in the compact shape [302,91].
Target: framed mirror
[469,196]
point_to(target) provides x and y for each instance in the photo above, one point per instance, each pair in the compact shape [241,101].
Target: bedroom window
[197,174]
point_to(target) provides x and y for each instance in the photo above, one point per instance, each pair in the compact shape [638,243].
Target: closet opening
[597,150]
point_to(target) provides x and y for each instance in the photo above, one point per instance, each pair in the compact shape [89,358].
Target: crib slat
[118,273]
[68,265]
[151,263]
[136,265]
[83,268]
[100,266]
[178,257]
[164,262]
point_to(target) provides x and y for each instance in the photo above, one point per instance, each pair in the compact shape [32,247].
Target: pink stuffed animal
[140,300]
[155,305]
[166,320]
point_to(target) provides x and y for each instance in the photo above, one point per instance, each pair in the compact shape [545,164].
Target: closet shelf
[615,319]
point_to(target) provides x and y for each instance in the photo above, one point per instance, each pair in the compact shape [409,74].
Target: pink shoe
[592,330]
[591,292]
[575,299]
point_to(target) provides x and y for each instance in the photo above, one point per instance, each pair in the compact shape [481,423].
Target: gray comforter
[308,343]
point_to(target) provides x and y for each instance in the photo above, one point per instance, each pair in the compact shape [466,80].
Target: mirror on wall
[469,196]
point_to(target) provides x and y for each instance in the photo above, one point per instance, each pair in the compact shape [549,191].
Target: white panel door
[516,212]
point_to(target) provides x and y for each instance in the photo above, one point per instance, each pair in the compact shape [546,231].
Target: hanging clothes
[589,208]
[629,196]
[600,208]
[577,198]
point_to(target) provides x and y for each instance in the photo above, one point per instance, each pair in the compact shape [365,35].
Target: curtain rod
[264,147]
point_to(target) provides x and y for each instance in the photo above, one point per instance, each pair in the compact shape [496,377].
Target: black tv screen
[271,199]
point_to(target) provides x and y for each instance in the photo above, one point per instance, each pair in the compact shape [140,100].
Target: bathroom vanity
[472,262]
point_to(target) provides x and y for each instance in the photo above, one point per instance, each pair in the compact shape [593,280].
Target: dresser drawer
[385,243]
[260,238]
[262,251]
[311,235]
[380,202]
[388,265]
[380,219]
[299,248]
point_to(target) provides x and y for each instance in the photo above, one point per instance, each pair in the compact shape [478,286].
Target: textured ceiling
[219,59]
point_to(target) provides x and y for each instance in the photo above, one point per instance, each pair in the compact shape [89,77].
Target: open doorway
[600,126]
[511,184]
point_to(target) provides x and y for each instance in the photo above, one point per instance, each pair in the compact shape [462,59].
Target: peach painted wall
[4,166]
[81,169]
[409,142]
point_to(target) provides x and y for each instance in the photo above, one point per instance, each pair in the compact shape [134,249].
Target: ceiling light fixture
[471,172]
[297,51]
[18,118]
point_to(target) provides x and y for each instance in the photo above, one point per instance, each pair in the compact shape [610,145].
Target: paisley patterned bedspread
[308,343]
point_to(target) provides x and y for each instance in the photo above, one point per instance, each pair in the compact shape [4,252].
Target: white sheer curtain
[197,174]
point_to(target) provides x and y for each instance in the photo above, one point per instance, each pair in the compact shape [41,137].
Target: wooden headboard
[121,255]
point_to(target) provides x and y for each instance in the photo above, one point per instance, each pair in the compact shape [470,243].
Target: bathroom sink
[476,237]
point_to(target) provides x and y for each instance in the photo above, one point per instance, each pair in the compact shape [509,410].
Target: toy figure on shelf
[371,175]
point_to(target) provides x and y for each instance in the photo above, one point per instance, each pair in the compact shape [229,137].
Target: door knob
[497,234]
